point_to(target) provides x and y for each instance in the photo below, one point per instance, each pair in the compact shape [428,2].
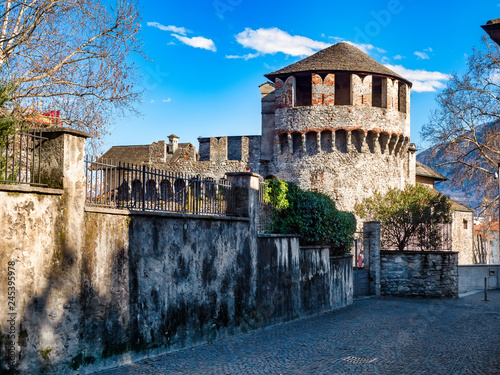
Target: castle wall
[158,151]
[463,236]
[219,156]
[347,177]
[360,117]
[268,105]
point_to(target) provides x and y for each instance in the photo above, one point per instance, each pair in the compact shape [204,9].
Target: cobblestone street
[374,336]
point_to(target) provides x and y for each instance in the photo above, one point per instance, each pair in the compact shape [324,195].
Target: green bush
[413,213]
[312,215]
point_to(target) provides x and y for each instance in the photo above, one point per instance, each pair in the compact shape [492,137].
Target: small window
[283,137]
[326,141]
[465,224]
[312,143]
[296,143]
[343,89]
[402,97]
[303,91]
[378,92]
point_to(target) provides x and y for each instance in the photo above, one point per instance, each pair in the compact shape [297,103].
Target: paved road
[374,336]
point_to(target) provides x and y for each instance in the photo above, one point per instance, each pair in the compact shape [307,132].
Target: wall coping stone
[117,211]
[480,265]
[349,255]
[107,210]
[31,189]
[314,247]
[54,131]
[243,174]
[277,235]
[409,252]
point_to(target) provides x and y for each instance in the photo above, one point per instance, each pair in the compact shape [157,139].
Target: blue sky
[207,58]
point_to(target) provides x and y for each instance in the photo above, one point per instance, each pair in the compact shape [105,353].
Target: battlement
[236,148]
[342,88]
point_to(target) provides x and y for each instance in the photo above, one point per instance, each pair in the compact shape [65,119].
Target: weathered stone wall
[150,283]
[95,286]
[419,274]
[347,177]
[294,282]
[462,234]
[158,152]
[174,281]
[32,234]
[348,117]
[278,275]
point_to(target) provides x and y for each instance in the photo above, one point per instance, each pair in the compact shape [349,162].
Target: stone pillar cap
[60,130]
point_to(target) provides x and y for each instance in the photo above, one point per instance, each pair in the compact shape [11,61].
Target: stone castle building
[337,122]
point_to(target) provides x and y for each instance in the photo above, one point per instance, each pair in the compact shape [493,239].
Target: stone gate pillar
[246,188]
[371,243]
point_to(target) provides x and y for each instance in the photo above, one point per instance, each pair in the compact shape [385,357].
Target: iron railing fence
[135,187]
[20,158]
[428,237]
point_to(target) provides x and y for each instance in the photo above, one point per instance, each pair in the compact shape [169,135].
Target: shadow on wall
[147,284]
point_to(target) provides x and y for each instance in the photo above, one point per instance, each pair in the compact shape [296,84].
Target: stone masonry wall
[361,117]
[419,274]
[463,236]
[347,177]
[99,286]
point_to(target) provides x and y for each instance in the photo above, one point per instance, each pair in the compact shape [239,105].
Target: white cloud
[423,80]
[398,57]
[152,101]
[175,29]
[244,57]
[197,42]
[421,55]
[167,100]
[274,40]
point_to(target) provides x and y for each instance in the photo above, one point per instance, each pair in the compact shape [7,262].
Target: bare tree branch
[71,56]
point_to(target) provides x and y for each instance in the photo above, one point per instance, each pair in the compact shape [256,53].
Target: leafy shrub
[310,214]
[413,213]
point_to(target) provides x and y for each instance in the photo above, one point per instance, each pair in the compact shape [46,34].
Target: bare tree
[465,129]
[70,59]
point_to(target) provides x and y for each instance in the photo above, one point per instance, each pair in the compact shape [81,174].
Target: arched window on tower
[343,91]
[283,138]
[312,143]
[326,141]
[341,140]
[402,97]
[303,90]
[379,92]
[296,143]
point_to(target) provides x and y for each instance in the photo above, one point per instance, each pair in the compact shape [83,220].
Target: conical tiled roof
[339,57]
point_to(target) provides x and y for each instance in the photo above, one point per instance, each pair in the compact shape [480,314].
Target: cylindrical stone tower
[341,125]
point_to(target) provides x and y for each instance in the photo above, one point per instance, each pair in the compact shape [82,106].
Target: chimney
[173,142]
